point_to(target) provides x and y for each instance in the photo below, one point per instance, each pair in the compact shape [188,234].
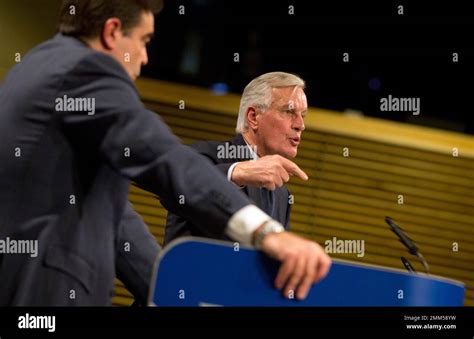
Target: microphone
[412,248]
[402,236]
[407,264]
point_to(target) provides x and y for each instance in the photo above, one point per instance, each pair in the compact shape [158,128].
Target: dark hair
[86,18]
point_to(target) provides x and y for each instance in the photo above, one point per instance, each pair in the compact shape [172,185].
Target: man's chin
[134,76]
[289,154]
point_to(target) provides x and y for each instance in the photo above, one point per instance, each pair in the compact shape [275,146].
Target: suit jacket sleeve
[137,143]
[137,251]
[224,168]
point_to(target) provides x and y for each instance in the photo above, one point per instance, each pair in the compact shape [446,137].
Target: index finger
[293,169]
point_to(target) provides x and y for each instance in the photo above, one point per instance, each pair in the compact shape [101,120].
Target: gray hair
[258,93]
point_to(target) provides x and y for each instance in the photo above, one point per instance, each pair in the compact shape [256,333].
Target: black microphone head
[390,222]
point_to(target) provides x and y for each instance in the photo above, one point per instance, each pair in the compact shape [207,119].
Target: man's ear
[252,120]
[110,33]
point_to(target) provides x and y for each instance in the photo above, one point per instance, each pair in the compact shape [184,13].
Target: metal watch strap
[270,226]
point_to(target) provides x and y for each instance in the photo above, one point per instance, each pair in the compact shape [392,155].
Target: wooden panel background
[360,170]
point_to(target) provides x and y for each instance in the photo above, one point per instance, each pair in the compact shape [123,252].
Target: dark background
[407,55]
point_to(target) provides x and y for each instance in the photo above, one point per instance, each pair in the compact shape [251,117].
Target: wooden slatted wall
[360,170]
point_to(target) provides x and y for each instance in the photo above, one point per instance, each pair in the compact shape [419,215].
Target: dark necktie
[268,202]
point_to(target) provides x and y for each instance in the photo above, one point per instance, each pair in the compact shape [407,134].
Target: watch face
[272,227]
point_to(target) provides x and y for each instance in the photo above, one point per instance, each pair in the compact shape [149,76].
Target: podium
[203,272]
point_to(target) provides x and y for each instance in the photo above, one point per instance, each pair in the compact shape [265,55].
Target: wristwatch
[270,226]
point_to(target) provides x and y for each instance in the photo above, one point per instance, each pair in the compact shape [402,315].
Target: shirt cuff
[231,169]
[244,222]
[229,174]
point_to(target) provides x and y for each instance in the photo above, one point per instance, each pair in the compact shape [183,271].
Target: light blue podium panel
[203,272]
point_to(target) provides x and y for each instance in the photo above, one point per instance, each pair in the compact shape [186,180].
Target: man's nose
[145,58]
[298,123]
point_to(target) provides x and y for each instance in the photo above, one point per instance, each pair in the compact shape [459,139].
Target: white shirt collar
[252,152]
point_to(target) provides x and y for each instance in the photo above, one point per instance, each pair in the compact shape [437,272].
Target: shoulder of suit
[212,149]
[70,55]
[202,144]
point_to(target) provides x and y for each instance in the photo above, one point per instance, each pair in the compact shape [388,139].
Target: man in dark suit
[73,134]
[269,127]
